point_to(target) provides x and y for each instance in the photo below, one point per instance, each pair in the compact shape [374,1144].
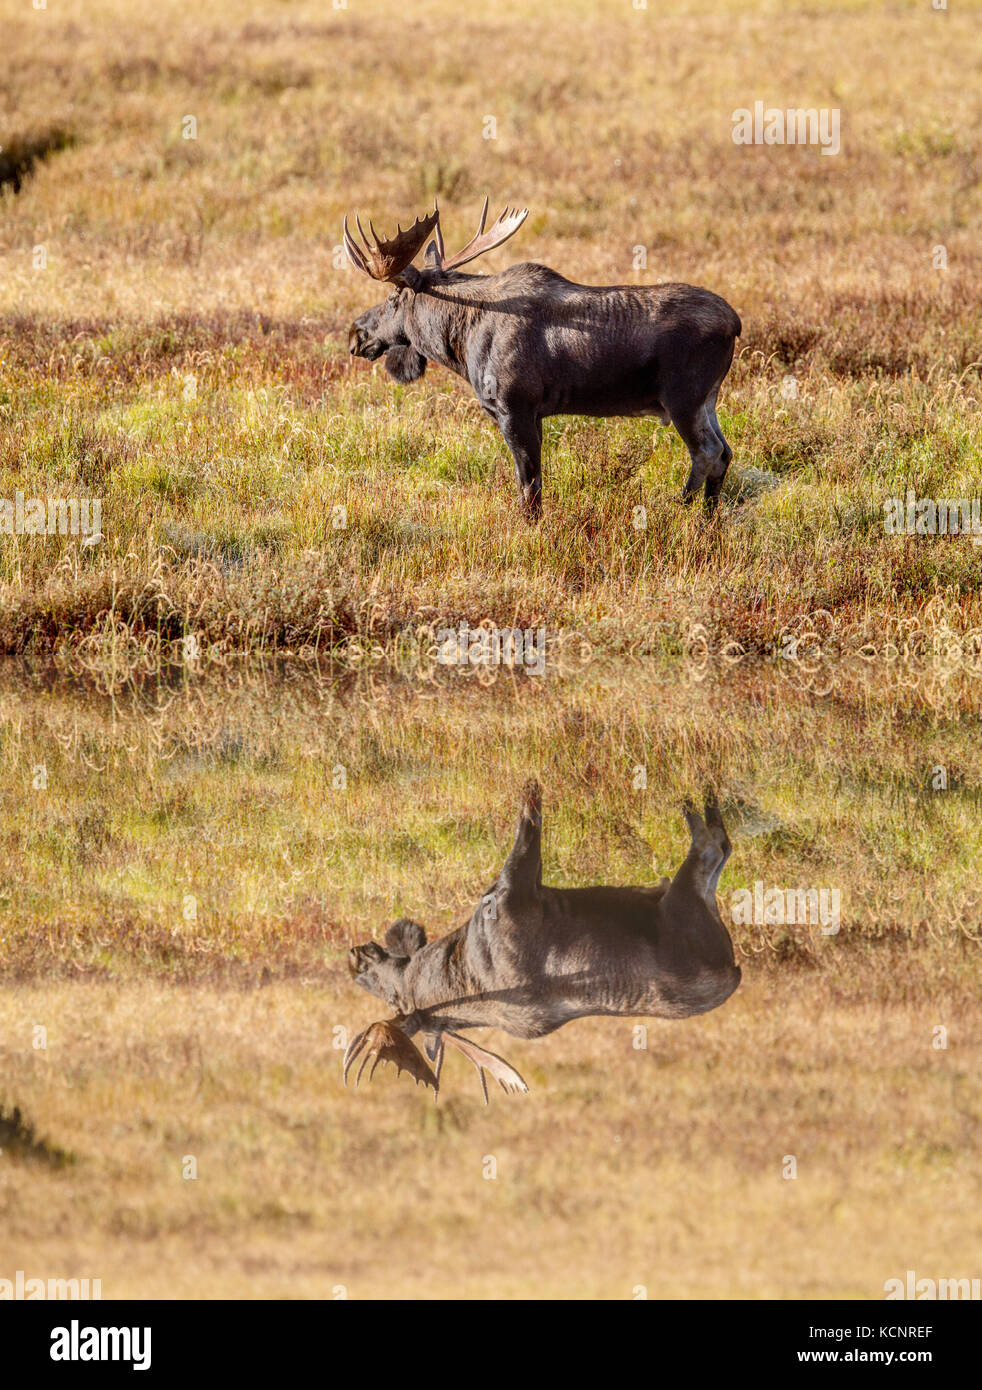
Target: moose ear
[405,937]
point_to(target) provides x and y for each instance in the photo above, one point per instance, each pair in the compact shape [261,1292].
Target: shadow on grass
[17,1139]
[19,156]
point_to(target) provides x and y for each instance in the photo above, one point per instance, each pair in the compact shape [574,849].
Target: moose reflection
[532,958]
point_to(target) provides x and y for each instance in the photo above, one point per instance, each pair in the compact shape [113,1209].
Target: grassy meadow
[302,816]
[173,317]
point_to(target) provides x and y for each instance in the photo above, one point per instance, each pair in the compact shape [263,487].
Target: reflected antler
[387,259]
[504,226]
[506,1076]
[386,1042]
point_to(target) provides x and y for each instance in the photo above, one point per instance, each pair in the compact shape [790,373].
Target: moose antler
[387,259]
[505,226]
[506,1076]
[386,1042]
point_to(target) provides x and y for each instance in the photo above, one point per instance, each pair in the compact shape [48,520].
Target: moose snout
[361,344]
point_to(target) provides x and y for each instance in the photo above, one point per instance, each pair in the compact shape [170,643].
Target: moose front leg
[522,432]
[522,873]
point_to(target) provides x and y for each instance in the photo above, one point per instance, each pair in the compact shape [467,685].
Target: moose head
[381,970]
[383,329]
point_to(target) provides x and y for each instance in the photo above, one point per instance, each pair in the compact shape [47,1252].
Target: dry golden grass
[663,1168]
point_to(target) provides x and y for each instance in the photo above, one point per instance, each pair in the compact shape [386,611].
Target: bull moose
[533,344]
[532,958]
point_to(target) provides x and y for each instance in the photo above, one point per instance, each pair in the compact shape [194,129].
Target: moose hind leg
[708,450]
[708,852]
[713,485]
[717,830]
